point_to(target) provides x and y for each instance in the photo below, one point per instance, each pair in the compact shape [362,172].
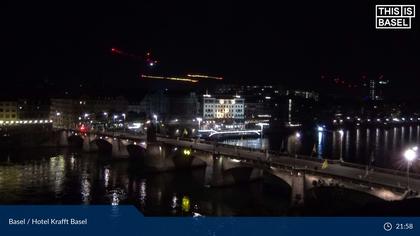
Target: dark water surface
[382,147]
[49,176]
[66,176]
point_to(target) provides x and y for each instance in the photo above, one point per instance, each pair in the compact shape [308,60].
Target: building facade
[64,112]
[223,108]
[33,109]
[8,111]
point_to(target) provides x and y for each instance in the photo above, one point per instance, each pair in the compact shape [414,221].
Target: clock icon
[387,226]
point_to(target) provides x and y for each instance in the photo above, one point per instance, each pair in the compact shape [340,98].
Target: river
[70,176]
[382,147]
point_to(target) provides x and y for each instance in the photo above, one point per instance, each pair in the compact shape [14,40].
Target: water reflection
[186,204]
[56,173]
[347,144]
[64,177]
[394,138]
[382,146]
[357,142]
[143,193]
[106,177]
[251,143]
[320,145]
[85,190]
[174,203]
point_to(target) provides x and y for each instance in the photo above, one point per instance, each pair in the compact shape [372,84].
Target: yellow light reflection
[186,204]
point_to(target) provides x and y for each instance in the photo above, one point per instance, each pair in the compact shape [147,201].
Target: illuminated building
[33,108]
[223,108]
[63,112]
[376,89]
[8,110]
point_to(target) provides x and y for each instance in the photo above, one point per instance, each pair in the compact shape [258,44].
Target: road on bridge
[333,169]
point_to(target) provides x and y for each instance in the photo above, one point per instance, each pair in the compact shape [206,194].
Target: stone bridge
[228,165]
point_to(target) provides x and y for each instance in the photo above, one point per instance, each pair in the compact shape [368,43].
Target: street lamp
[199,119]
[409,155]
[296,137]
[105,123]
[156,121]
[123,115]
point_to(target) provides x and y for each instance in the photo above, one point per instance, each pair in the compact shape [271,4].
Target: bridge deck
[333,169]
[385,178]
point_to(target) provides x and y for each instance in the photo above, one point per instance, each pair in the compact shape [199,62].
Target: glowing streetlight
[297,135]
[410,155]
[156,121]
[199,119]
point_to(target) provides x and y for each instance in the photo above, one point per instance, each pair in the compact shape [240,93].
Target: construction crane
[151,63]
[148,59]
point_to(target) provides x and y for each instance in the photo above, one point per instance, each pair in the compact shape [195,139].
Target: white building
[223,108]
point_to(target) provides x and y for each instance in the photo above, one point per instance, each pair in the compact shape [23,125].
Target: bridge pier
[227,171]
[88,144]
[63,138]
[119,148]
[298,189]
[296,180]
[162,157]
[155,157]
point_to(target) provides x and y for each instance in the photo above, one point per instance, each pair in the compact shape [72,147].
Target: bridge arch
[135,150]
[75,140]
[228,171]
[388,194]
[103,145]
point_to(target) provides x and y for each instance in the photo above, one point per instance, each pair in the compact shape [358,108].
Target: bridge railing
[311,158]
[353,180]
[271,152]
[382,170]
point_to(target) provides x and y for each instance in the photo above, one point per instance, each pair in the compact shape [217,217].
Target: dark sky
[272,41]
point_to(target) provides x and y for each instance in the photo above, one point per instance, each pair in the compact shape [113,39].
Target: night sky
[65,43]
